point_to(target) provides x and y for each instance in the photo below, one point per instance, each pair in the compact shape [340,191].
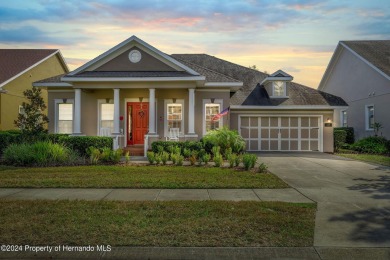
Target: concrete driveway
[353,197]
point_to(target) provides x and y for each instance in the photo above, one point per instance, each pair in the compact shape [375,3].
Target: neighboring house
[142,94]
[359,72]
[19,68]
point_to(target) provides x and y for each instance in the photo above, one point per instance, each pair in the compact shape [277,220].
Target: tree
[254,67]
[31,120]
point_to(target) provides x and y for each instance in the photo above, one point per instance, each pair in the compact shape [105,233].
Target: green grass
[173,223]
[374,158]
[135,177]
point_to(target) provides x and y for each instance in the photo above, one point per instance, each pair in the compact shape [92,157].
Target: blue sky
[298,36]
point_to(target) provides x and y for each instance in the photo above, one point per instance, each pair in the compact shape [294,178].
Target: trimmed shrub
[169,146]
[80,144]
[232,159]
[224,138]
[38,154]
[249,161]
[350,137]
[164,157]
[372,144]
[180,160]
[339,139]
[218,160]
[151,157]
[9,137]
[263,168]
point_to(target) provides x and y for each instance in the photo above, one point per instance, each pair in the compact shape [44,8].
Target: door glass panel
[129,123]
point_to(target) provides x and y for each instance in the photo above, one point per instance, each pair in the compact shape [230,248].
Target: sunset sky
[298,36]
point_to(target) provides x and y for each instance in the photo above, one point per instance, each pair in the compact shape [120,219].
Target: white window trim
[208,101]
[99,102]
[342,118]
[366,117]
[285,89]
[61,101]
[170,101]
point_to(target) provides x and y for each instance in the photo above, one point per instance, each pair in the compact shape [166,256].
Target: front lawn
[374,158]
[173,223]
[169,177]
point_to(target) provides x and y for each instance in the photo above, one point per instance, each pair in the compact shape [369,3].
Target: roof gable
[108,58]
[14,62]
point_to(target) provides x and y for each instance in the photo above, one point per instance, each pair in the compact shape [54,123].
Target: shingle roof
[14,61]
[54,79]
[254,94]
[211,76]
[375,52]
[137,74]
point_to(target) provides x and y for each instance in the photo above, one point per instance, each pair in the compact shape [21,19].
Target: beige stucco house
[19,68]
[140,94]
[359,72]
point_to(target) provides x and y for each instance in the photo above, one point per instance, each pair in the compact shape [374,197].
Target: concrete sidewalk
[314,253]
[285,195]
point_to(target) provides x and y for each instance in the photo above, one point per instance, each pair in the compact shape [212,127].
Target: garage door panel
[304,145]
[254,133]
[245,121]
[281,133]
[314,133]
[293,145]
[304,121]
[274,133]
[264,133]
[293,133]
[245,132]
[254,145]
[285,121]
[264,121]
[284,133]
[254,121]
[293,121]
[265,145]
[284,145]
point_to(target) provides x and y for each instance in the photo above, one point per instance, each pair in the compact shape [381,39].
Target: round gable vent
[135,56]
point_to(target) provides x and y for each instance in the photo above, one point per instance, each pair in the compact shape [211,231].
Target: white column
[191,111]
[77,112]
[152,111]
[116,111]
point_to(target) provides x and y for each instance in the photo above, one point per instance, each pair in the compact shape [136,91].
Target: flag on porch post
[221,114]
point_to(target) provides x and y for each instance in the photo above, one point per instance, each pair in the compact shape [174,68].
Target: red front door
[137,122]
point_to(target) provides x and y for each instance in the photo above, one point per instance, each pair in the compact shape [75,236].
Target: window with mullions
[210,111]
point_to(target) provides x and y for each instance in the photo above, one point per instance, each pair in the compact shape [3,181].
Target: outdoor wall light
[174,100]
[107,100]
[64,100]
[212,100]
[328,120]
[140,99]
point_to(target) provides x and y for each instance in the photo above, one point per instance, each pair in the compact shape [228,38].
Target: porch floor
[135,150]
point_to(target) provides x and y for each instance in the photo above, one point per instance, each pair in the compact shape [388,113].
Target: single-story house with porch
[138,94]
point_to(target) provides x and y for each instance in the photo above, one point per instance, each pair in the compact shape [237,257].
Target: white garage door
[281,133]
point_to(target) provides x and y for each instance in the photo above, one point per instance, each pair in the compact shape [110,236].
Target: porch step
[135,150]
